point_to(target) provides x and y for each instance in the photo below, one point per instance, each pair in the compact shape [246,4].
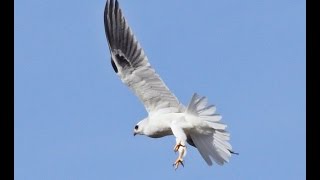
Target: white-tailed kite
[197,124]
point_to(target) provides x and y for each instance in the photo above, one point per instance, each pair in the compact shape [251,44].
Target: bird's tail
[213,146]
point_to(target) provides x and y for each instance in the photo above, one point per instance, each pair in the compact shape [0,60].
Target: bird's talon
[177,163]
[177,146]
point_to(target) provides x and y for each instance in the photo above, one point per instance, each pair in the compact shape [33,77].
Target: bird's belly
[162,133]
[160,125]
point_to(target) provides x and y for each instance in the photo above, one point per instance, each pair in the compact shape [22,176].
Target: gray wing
[131,64]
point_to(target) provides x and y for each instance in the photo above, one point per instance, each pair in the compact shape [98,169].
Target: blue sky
[74,118]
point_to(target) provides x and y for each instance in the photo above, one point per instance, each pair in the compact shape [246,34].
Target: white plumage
[197,124]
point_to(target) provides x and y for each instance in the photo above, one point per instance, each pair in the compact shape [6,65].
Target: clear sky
[74,118]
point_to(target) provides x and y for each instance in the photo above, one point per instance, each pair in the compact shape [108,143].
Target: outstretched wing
[131,64]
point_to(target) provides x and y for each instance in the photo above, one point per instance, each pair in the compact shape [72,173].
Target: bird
[196,124]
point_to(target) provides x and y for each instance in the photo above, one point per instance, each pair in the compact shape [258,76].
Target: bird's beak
[134,133]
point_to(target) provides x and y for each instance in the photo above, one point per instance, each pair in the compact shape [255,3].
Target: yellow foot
[177,146]
[177,163]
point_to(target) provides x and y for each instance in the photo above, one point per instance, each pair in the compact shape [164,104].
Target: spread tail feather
[213,146]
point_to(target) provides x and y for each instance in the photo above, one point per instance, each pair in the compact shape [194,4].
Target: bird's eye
[136,127]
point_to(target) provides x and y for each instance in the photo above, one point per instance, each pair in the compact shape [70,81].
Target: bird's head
[140,127]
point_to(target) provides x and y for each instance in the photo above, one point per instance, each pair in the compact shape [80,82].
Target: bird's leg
[181,138]
[180,146]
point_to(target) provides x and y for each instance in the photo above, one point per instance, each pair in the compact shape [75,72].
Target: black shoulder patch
[114,66]
[122,61]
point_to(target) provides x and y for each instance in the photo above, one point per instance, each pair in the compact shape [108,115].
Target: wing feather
[131,64]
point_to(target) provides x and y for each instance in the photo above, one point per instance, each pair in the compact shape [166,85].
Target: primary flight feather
[197,124]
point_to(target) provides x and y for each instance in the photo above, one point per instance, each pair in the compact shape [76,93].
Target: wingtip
[116,3]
